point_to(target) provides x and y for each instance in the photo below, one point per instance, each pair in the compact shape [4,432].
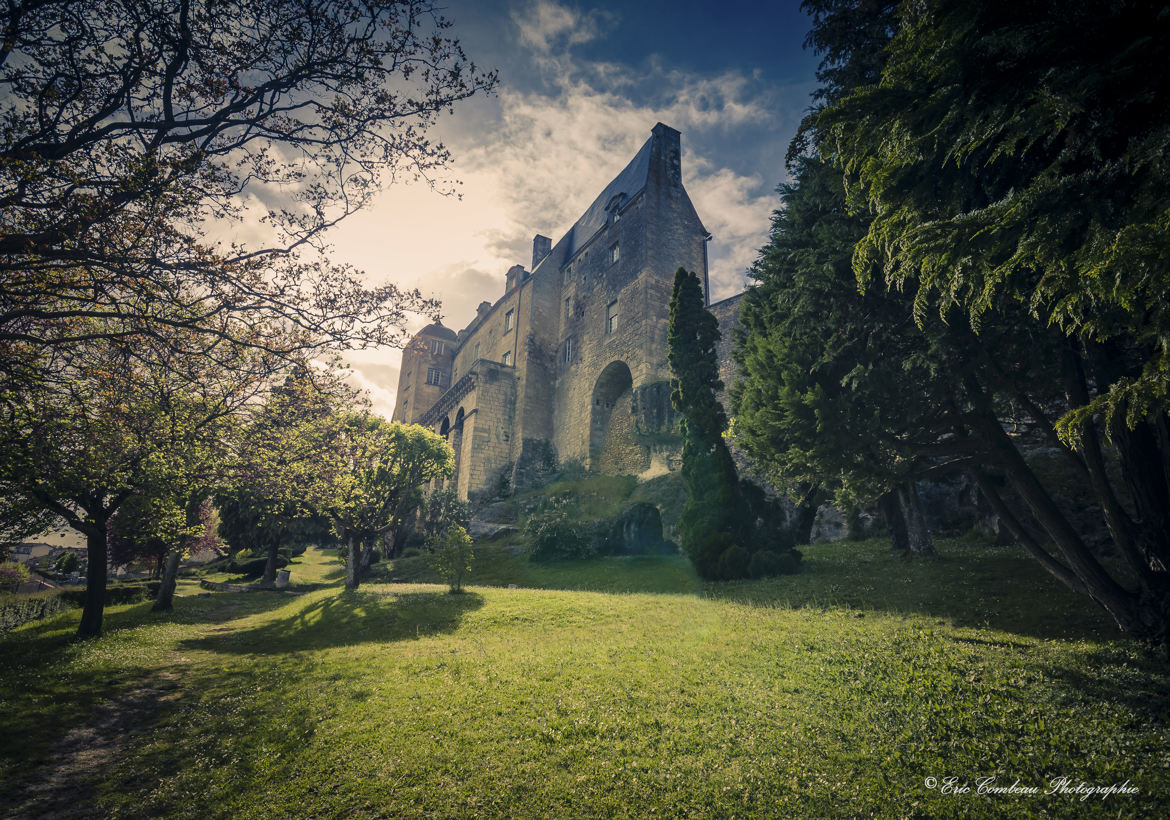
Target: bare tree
[134,132]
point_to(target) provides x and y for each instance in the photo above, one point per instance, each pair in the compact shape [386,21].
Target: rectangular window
[434,375]
[438,348]
[507,357]
[477,350]
[614,253]
[611,317]
[568,354]
[509,320]
[566,308]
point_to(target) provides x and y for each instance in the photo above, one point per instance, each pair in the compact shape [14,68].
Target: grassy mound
[836,692]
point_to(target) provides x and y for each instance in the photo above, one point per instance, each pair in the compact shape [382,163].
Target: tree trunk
[95,581]
[917,535]
[352,560]
[164,602]
[1144,473]
[1022,536]
[398,543]
[895,521]
[804,515]
[1122,604]
[269,578]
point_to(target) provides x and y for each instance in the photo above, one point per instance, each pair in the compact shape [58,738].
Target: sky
[581,85]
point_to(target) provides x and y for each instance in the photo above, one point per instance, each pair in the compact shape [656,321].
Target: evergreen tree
[934,301]
[717,524]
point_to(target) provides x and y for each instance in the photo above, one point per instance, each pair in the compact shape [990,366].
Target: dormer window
[613,208]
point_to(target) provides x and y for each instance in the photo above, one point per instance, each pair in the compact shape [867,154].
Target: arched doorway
[456,439]
[613,447]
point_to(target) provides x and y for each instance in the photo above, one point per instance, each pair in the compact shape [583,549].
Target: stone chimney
[514,278]
[665,153]
[541,246]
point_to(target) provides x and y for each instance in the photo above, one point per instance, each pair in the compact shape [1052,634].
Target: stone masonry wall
[553,403]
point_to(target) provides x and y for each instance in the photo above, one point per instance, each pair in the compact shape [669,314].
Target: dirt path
[81,756]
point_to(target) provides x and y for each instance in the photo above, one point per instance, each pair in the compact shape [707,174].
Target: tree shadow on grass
[346,619]
[500,567]
[1119,673]
[998,588]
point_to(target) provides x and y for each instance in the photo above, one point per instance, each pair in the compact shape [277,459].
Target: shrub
[251,567]
[705,555]
[452,556]
[733,563]
[115,594]
[442,510]
[553,536]
[12,573]
[67,563]
[16,610]
[411,552]
[765,563]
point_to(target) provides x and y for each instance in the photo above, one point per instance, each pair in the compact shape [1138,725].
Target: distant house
[33,552]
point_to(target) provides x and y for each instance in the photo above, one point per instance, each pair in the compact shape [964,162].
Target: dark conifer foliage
[718,524]
[971,267]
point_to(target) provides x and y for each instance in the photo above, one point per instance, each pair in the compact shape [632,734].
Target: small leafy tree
[369,482]
[141,532]
[12,573]
[441,510]
[451,556]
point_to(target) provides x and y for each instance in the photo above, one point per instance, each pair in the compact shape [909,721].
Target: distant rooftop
[437,329]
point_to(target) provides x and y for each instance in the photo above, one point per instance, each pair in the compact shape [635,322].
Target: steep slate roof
[630,181]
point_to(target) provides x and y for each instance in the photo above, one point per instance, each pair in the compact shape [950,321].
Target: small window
[611,317]
[507,357]
[477,350]
[566,308]
[614,253]
[434,375]
[567,357]
[509,320]
[438,348]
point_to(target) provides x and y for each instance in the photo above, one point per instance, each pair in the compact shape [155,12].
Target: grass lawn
[621,687]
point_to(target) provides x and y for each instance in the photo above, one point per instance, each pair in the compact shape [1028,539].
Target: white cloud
[547,26]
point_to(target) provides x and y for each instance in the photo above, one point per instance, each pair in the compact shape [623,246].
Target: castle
[570,364]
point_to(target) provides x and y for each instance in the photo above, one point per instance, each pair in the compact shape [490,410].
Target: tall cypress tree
[716,526]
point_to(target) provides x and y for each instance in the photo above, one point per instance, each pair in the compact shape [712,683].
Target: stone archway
[613,447]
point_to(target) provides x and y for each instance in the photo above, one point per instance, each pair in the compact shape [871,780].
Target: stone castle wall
[571,363]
